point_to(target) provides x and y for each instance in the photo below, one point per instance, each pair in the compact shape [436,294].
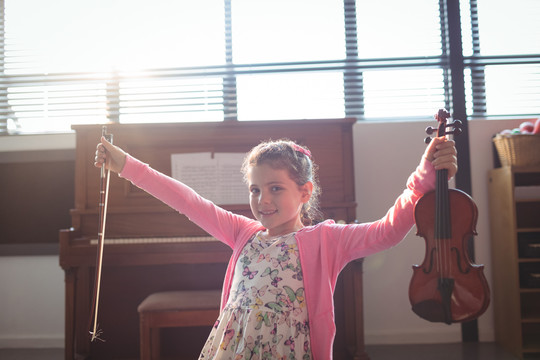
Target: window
[78,61]
[502,57]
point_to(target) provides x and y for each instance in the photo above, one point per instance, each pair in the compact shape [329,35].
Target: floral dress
[266,315]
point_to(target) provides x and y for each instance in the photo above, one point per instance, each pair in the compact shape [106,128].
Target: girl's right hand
[112,156]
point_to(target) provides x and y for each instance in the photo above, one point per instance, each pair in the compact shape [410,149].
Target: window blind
[502,58]
[169,61]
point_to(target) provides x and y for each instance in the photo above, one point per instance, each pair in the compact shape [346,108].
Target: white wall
[32,296]
[32,301]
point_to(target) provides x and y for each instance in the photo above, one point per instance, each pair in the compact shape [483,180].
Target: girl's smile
[276,200]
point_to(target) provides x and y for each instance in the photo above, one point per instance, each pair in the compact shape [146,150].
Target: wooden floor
[467,351]
[459,351]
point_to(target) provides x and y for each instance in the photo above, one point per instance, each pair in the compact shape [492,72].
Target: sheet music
[216,178]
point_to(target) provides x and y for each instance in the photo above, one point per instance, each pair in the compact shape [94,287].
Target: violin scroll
[454,128]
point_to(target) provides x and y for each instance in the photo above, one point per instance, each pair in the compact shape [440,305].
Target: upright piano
[151,247]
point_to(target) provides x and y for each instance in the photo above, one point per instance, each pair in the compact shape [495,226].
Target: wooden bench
[174,309]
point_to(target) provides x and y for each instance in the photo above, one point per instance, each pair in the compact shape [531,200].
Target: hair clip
[306,152]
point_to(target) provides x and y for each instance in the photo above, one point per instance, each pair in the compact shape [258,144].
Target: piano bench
[187,308]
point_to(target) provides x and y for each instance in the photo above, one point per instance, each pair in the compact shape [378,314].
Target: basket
[518,149]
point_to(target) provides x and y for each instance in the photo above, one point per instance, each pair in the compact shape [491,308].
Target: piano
[151,247]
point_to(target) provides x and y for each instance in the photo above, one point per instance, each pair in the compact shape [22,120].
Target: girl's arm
[368,238]
[221,224]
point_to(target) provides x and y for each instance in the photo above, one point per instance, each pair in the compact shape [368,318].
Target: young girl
[277,300]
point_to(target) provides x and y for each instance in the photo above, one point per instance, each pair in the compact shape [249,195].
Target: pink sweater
[324,249]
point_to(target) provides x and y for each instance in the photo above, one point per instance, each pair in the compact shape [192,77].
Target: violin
[447,287]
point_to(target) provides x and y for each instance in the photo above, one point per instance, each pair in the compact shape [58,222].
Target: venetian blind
[502,57]
[77,61]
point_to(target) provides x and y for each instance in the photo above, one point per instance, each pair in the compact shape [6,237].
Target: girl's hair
[296,159]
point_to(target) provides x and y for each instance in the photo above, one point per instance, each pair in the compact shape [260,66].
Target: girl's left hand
[442,153]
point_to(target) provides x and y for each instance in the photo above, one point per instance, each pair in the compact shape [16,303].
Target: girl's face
[276,200]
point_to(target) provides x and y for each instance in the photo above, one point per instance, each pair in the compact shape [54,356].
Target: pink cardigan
[324,249]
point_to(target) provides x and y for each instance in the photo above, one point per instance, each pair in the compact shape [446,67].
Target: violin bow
[105,176]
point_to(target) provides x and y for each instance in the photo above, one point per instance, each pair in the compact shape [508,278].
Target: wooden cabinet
[515,233]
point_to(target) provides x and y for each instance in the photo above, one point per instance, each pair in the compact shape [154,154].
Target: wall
[32,295]
[32,299]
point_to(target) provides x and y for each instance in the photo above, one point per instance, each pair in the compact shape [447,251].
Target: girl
[277,300]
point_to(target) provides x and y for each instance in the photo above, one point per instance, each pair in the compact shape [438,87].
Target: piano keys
[155,240]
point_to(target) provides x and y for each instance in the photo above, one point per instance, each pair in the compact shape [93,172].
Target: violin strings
[445,209]
[446,263]
[439,223]
[443,226]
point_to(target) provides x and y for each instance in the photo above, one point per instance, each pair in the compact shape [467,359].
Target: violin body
[447,287]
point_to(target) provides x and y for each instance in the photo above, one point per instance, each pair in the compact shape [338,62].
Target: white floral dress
[266,315]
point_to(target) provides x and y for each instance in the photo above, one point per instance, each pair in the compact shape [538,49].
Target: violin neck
[442,206]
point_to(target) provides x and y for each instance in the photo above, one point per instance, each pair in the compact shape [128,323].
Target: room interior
[34,284]
[38,185]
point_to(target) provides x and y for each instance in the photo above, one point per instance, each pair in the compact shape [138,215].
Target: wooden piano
[150,247]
